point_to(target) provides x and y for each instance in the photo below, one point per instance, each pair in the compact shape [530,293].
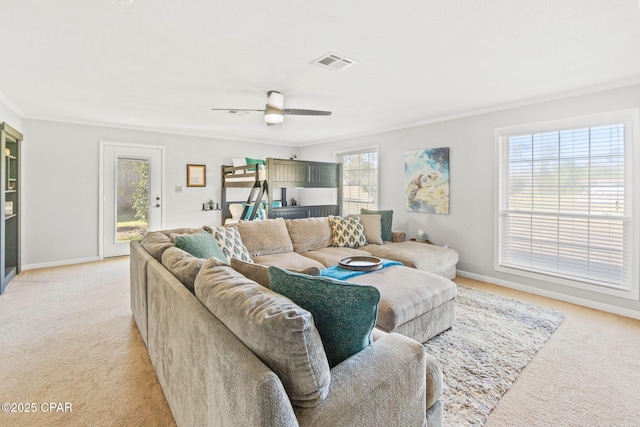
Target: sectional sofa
[220,363]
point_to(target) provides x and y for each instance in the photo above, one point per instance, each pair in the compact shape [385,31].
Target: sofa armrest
[434,372]
[208,376]
[139,258]
[398,236]
[383,384]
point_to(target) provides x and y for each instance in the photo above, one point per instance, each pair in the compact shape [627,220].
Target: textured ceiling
[162,65]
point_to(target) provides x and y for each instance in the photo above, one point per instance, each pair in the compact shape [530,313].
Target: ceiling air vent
[333,62]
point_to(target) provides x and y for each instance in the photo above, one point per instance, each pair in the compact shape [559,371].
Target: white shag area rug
[492,339]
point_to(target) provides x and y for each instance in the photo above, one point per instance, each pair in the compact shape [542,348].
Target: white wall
[60,178]
[10,117]
[469,228]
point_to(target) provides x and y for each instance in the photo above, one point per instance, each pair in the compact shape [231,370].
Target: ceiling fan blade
[233,110]
[299,112]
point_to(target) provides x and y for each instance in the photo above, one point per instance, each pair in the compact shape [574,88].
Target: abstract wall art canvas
[427,180]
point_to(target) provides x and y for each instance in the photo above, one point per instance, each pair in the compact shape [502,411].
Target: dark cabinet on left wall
[10,184]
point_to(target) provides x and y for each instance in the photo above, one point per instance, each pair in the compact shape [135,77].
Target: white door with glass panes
[132,196]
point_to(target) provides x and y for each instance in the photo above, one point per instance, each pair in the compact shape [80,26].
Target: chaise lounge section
[416,301]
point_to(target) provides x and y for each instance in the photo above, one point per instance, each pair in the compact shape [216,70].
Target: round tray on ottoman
[360,263]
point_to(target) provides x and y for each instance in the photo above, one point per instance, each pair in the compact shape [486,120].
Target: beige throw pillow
[260,273]
[265,237]
[308,234]
[372,227]
[235,209]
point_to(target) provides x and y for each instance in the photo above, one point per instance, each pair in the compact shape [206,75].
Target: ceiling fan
[274,111]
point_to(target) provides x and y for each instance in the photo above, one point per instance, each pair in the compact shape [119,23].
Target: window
[359,179]
[565,203]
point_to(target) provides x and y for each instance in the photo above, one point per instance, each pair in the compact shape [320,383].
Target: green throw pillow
[387,222]
[200,245]
[344,313]
[251,161]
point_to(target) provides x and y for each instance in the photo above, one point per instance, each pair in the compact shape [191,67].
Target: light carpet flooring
[67,336]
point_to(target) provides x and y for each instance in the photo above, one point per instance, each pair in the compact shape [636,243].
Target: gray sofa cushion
[265,237]
[183,265]
[308,234]
[406,293]
[289,261]
[156,243]
[181,230]
[260,273]
[431,258]
[278,331]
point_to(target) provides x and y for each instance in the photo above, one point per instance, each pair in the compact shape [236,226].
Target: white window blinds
[564,201]
[360,180]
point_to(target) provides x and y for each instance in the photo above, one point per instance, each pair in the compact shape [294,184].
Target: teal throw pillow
[344,313]
[251,161]
[200,245]
[387,222]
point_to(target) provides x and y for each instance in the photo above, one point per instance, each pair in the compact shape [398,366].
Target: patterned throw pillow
[229,240]
[347,232]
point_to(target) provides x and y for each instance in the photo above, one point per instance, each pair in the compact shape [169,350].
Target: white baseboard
[634,314]
[59,263]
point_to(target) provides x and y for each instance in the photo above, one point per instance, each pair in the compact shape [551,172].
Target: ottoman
[413,302]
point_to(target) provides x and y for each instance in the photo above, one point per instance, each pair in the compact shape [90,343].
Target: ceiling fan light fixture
[273,115]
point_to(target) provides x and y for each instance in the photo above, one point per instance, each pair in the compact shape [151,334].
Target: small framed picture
[196,175]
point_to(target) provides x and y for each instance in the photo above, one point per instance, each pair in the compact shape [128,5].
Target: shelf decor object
[10,214]
[196,175]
